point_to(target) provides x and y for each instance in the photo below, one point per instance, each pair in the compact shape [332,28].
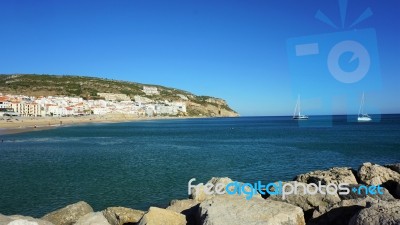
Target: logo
[282,189]
[327,66]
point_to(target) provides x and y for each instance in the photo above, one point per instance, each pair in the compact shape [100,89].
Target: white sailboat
[297,114]
[363,117]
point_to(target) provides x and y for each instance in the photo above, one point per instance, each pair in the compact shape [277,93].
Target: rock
[335,175]
[373,174]
[339,213]
[157,216]
[307,201]
[21,220]
[94,218]
[121,215]
[235,210]
[394,167]
[68,215]
[198,194]
[187,207]
[386,196]
[378,214]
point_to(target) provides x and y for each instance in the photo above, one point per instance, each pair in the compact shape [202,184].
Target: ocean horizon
[148,163]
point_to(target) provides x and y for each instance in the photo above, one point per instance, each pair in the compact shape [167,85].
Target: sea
[148,163]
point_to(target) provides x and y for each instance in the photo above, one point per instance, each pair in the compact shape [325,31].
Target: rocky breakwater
[202,208]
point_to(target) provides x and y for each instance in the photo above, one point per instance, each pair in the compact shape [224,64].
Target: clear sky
[236,50]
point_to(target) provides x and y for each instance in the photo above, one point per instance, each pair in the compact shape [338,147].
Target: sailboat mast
[361,110]
[299,105]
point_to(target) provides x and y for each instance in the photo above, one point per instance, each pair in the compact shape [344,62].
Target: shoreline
[28,124]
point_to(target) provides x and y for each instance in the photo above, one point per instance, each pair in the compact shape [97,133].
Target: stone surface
[394,167]
[198,194]
[335,175]
[121,215]
[95,218]
[21,220]
[68,215]
[386,196]
[307,201]
[235,210]
[380,213]
[157,216]
[339,213]
[187,207]
[373,174]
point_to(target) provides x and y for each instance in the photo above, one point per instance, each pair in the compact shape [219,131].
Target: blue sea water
[148,163]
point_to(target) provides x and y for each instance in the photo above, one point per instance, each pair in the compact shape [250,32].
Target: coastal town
[107,103]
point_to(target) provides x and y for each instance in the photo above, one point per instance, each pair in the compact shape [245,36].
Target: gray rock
[394,167]
[95,218]
[187,207]
[373,174]
[307,201]
[157,216]
[22,220]
[339,213]
[335,175]
[121,215]
[68,215]
[235,210]
[381,213]
[199,194]
[386,196]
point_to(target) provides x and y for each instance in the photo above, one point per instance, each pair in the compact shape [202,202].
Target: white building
[26,108]
[150,90]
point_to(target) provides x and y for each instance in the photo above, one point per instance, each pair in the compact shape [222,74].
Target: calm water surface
[147,163]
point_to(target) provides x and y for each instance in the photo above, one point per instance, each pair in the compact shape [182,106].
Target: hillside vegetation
[88,87]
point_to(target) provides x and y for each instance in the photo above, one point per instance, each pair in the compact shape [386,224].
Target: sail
[363,117]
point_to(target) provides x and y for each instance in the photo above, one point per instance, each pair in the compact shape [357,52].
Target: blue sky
[236,50]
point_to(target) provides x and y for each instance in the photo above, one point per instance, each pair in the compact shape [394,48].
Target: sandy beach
[29,124]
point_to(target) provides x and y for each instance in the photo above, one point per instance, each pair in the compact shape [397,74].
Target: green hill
[88,87]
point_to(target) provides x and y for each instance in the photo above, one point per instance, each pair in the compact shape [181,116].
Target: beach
[29,124]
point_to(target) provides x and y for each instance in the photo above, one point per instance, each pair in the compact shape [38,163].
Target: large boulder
[69,215]
[373,174]
[380,213]
[157,216]
[339,213]
[121,215]
[22,220]
[394,167]
[199,194]
[386,196]
[307,201]
[334,175]
[187,207]
[235,210]
[95,218]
